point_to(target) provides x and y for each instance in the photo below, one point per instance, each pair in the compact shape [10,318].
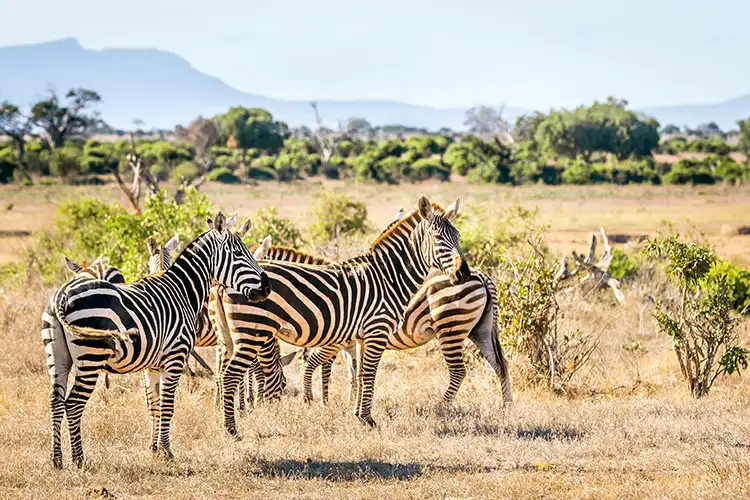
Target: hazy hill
[163,89]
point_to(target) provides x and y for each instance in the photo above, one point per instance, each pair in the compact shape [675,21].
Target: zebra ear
[452,210]
[262,248]
[172,244]
[153,248]
[400,214]
[219,223]
[231,221]
[102,260]
[244,228]
[72,266]
[425,207]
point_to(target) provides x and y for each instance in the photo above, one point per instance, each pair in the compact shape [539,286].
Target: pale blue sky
[530,53]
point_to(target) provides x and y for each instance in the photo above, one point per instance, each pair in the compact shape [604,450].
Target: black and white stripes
[146,325]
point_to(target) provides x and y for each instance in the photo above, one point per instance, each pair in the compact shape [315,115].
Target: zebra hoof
[57,463]
[78,462]
[368,421]
[164,452]
[154,448]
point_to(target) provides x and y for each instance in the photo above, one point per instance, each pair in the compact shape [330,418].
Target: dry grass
[629,429]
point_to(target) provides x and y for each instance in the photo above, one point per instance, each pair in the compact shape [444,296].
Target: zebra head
[160,257]
[99,269]
[233,265]
[440,247]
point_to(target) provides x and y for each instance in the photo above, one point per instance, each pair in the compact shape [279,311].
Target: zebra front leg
[170,378]
[452,348]
[350,353]
[152,378]
[325,377]
[233,373]
[80,392]
[317,358]
[370,355]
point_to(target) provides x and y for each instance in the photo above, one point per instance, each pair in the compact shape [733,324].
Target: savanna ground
[628,429]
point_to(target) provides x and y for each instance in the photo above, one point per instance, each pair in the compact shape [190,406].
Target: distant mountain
[164,90]
[725,114]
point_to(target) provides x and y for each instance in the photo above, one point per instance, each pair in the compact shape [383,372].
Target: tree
[16,126]
[358,127]
[744,142]
[485,121]
[325,138]
[60,121]
[670,129]
[252,128]
[200,135]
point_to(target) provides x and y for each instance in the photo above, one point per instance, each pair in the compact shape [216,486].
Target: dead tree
[142,175]
[200,135]
[592,274]
[325,137]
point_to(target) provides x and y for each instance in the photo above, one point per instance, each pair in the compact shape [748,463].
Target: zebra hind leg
[59,363]
[325,377]
[452,348]
[80,392]
[317,358]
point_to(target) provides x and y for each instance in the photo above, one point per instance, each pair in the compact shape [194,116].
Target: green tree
[59,121]
[744,143]
[252,128]
[15,126]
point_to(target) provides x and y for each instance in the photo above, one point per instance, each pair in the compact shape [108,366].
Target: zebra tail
[88,333]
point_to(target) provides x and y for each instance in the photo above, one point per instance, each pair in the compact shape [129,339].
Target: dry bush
[530,314]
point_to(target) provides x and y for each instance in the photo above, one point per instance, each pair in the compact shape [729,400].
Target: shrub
[486,234]
[689,172]
[529,315]
[336,216]
[262,168]
[64,162]
[7,165]
[223,175]
[88,228]
[187,171]
[267,221]
[703,329]
[623,266]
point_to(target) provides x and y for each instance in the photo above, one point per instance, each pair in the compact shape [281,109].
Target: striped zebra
[362,298]
[440,310]
[145,325]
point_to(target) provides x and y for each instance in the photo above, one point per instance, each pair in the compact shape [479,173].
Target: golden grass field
[628,429]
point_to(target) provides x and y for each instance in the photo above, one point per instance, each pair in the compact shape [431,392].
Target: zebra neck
[191,272]
[403,269]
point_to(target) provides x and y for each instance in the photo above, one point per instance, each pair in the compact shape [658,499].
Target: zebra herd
[413,285]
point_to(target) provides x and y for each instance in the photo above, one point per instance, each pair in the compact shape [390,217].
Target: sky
[530,54]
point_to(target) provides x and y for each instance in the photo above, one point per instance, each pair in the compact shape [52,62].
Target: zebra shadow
[527,433]
[334,470]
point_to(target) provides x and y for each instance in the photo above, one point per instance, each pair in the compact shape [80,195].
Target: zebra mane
[293,252]
[393,226]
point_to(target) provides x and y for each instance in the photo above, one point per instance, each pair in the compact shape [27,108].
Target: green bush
[64,162]
[336,216]
[88,228]
[486,234]
[187,171]
[7,165]
[223,175]
[267,221]
[623,266]
[98,158]
[687,171]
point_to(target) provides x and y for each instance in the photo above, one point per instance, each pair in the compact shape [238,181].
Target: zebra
[439,310]
[362,298]
[145,325]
